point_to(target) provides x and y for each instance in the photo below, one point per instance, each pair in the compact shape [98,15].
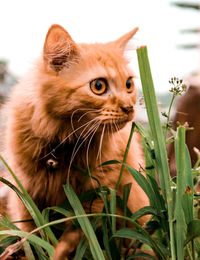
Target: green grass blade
[144,238]
[141,256]
[126,193]
[148,150]
[158,138]
[32,239]
[40,253]
[105,238]
[6,223]
[188,197]
[142,181]
[157,250]
[179,213]
[28,251]
[125,155]
[84,223]
[193,230]
[46,212]
[148,210]
[80,251]
[29,203]
[113,209]
[154,120]
[159,201]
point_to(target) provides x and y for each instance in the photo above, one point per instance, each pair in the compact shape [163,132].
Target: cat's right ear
[59,49]
[123,41]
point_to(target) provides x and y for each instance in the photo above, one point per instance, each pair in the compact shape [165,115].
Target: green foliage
[172,231]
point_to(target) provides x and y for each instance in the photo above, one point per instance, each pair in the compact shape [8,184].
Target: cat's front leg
[67,244]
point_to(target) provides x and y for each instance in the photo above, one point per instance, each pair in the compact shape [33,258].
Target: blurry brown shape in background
[187,111]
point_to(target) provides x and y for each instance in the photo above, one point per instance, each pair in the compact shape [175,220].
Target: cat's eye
[98,86]
[129,85]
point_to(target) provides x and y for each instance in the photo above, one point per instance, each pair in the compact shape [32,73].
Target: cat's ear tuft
[59,49]
[123,41]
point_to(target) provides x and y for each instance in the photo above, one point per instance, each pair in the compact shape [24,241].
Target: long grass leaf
[143,237]
[142,181]
[82,246]
[154,119]
[32,239]
[113,208]
[84,223]
[28,251]
[158,137]
[148,210]
[30,205]
[179,213]
[193,230]
[125,155]
[141,256]
[105,238]
[188,197]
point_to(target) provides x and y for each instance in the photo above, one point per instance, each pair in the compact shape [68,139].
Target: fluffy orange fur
[75,108]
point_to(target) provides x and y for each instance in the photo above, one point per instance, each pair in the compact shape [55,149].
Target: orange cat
[76,108]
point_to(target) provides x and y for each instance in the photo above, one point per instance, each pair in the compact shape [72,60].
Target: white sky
[24,23]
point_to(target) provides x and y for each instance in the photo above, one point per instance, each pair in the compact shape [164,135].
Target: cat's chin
[114,126]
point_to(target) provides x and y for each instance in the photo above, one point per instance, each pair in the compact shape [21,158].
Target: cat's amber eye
[130,85]
[98,86]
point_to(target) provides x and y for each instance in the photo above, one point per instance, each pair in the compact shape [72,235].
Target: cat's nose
[127,109]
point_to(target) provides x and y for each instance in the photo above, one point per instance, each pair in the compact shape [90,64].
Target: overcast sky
[24,23]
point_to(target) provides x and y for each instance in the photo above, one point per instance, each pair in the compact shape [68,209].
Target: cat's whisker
[73,113]
[89,111]
[65,139]
[118,131]
[85,136]
[113,132]
[109,130]
[100,148]
[100,144]
[87,152]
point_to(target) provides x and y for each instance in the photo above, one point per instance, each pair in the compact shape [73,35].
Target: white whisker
[113,131]
[100,144]
[89,111]
[87,152]
[100,148]
[65,139]
[85,136]
[73,113]
[118,131]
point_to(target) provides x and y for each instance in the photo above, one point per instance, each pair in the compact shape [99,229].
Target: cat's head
[87,82]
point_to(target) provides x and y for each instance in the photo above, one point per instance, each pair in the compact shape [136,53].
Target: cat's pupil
[128,84]
[98,85]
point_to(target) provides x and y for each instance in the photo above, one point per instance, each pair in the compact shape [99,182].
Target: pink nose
[127,110]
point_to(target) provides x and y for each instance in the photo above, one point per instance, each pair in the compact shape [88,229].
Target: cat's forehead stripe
[112,72]
[122,73]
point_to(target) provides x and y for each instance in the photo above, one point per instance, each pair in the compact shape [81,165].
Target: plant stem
[125,156]
[168,114]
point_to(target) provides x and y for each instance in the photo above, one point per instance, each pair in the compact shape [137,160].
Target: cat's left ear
[123,41]
[59,49]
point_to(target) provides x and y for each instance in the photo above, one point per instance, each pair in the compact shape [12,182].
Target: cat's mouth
[115,125]
[119,120]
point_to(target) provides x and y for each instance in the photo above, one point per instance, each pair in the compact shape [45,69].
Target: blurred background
[170,29]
